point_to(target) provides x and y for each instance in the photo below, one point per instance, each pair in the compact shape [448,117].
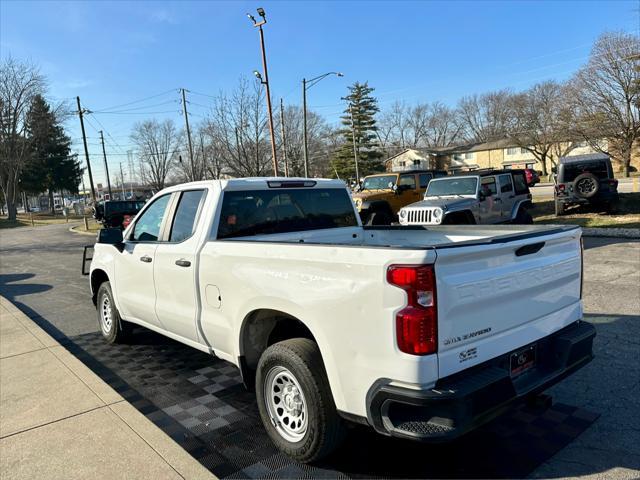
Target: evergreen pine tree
[364,107]
[50,167]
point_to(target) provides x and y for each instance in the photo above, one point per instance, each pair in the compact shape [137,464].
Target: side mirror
[111,236]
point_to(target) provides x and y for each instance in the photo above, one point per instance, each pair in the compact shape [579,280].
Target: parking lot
[593,428]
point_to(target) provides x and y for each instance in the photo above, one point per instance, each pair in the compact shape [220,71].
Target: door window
[506,186]
[184,220]
[488,186]
[147,227]
[424,179]
[407,180]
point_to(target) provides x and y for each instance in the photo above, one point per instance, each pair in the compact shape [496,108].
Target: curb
[80,232]
[631,233]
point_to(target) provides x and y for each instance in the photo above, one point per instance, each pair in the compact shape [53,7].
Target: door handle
[497,199]
[145,259]
[183,263]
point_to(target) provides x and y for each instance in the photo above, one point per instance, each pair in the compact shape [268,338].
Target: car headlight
[403,213]
[437,214]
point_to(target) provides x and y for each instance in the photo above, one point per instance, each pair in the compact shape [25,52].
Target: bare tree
[158,148]
[540,120]
[606,97]
[420,126]
[19,83]
[317,134]
[237,132]
[484,117]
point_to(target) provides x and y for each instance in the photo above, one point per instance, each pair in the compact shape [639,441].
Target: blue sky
[111,53]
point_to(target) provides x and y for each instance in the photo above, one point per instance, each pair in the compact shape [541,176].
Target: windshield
[378,183]
[452,186]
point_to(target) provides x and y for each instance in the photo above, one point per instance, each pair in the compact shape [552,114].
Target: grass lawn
[626,216]
[40,219]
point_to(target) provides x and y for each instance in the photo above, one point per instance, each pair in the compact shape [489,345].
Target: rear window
[520,183]
[572,170]
[260,212]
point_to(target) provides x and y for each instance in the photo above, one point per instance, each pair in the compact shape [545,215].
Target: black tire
[560,208]
[325,429]
[586,185]
[117,330]
[379,218]
[458,218]
[523,217]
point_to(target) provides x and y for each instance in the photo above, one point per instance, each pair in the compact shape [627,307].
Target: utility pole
[130,160]
[265,82]
[304,127]
[86,150]
[186,121]
[307,84]
[284,139]
[106,166]
[122,182]
[355,148]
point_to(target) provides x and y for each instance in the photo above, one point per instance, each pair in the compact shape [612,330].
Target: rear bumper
[466,400]
[600,197]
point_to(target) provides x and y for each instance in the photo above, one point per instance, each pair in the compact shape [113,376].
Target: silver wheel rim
[286,404]
[106,322]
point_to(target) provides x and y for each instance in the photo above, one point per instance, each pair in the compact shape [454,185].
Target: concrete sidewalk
[60,420]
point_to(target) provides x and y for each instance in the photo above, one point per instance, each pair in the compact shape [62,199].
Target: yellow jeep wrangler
[381,196]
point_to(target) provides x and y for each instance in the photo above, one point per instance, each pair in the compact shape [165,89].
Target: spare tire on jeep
[586,185]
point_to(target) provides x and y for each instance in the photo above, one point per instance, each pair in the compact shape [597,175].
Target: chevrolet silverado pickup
[419,332]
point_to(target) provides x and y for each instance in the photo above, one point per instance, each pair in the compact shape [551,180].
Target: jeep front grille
[419,216]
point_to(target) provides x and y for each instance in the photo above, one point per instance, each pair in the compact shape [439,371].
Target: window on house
[402,164]
[512,151]
[581,144]
[458,157]
[416,162]
[468,156]
[523,150]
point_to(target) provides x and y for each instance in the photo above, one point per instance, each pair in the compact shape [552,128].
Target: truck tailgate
[504,293]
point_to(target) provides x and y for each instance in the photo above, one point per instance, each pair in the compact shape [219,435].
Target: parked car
[531,176]
[484,196]
[381,196]
[112,213]
[585,180]
[422,334]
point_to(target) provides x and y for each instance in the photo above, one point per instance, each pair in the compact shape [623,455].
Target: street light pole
[306,84]
[355,148]
[265,82]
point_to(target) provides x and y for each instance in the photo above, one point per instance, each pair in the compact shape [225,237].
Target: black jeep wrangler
[112,213]
[585,180]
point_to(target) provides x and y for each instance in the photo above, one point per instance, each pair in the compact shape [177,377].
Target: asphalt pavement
[40,273]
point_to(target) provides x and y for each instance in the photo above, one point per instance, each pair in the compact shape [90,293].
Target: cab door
[507,195]
[407,191]
[134,267]
[491,206]
[175,271]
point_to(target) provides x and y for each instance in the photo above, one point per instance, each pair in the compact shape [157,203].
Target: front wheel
[295,401]
[112,327]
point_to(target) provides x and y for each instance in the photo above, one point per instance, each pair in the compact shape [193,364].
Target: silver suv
[483,197]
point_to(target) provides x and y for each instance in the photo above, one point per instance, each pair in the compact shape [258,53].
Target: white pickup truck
[419,332]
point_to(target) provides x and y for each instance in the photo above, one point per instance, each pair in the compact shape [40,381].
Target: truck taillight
[560,188]
[417,323]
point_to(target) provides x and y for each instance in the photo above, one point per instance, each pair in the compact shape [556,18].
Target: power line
[136,108]
[140,100]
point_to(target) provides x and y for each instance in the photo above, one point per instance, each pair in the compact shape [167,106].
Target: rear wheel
[523,217]
[112,327]
[295,401]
